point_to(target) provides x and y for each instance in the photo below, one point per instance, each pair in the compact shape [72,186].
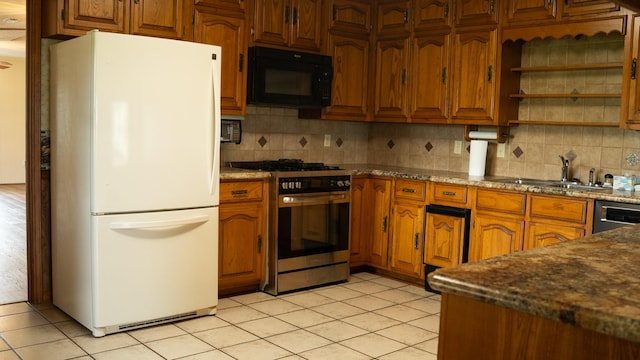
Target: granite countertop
[591,282]
[450,177]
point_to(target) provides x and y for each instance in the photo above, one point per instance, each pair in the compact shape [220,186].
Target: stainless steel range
[308,224]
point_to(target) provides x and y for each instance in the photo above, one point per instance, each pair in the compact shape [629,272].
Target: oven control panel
[313,184]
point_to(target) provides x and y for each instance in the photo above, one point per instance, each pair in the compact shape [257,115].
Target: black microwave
[288,78]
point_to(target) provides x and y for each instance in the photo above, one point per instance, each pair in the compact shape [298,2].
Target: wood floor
[13,244]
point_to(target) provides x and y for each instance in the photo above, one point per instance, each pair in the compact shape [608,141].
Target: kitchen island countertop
[591,283]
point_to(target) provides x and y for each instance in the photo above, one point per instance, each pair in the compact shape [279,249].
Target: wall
[12,122]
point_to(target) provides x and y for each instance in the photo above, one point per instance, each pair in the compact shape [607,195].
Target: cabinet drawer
[449,193]
[240,191]
[561,209]
[501,201]
[410,190]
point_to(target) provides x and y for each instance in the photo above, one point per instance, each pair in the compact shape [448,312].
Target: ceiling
[13,24]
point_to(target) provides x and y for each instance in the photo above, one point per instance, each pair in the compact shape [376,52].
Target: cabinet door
[407,238]
[349,16]
[229,33]
[349,92]
[241,245]
[528,11]
[393,18]
[430,73]
[305,24]
[632,74]
[429,14]
[476,12]
[105,15]
[571,8]
[443,240]
[494,236]
[540,234]
[360,224]
[271,23]
[474,70]
[379,209]
[391,79]
[161,18]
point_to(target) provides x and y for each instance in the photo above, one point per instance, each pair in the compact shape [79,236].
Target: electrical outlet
[501,149]
[327,140]
[457,147]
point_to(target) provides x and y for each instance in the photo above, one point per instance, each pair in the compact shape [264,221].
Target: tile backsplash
[532,151]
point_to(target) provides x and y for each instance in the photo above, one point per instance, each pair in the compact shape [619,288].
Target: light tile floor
[368,317]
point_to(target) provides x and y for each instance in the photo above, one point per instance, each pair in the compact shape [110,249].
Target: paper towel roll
[477,157]
[483,135]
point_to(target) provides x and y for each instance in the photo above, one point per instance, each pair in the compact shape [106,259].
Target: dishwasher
[447,229]
[610,215]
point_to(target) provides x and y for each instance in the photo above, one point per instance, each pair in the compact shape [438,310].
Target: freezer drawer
[143,268]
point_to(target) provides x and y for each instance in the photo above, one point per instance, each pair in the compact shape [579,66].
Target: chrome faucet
[565,168]
[593,170]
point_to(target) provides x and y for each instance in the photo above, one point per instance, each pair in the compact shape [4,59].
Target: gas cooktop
[282,165]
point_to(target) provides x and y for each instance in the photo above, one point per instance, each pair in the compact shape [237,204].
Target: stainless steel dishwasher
[610,215]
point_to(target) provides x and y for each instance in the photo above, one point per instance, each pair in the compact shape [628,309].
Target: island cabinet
[227,29]
[287,24]
[159,18]
[498,223]
[407,227]
[553,219]
[241,236]
[348,43]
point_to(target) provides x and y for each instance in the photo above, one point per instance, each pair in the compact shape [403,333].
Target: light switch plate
[457,147]
[327,140]
[501,149]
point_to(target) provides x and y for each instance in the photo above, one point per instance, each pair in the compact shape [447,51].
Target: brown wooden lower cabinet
[471,329]
[241,236]
[494,236]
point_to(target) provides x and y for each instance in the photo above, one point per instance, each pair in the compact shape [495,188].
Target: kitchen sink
[553,183]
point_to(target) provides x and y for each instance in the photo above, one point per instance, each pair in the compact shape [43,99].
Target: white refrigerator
[135,138]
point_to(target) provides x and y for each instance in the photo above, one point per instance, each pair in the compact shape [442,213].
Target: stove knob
[298,184]
[340,183]
[284,186]
[292,184]
[347,183]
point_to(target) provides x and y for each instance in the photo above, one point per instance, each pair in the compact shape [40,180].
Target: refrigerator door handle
[215,150]
[142,225]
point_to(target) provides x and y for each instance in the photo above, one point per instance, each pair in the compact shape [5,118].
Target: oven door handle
[315,199]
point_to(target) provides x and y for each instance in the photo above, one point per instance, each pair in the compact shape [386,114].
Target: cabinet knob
[416,240]
[384,224]
[634,68]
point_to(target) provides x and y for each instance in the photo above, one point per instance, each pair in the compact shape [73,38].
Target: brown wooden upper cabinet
[288,24]
[159,18]
[393,18]
[429,14]
[631,86]
[227,31]
[549,11]
[476,12]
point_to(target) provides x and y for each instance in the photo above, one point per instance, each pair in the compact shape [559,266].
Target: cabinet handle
[489,73]
[444,75]
[448,193]
[136,2]
[334,12]
[566,3]
[404,76]
[408,190]
[259,244]
[415,240]
[405,18]
[241,62]
[446,10]
[491,6]
[634,68]
[384,224]
[295,16]
[239,192]
[550,3]
[286,14]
